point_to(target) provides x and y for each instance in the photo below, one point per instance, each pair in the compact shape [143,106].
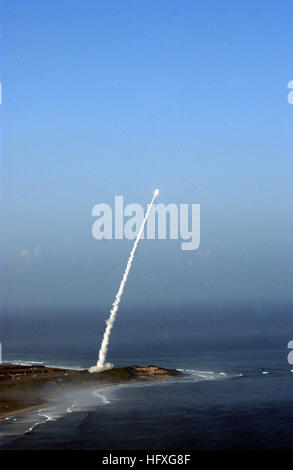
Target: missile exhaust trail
[101,363]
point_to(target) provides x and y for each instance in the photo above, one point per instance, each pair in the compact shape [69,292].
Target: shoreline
[25,388]
[24,410]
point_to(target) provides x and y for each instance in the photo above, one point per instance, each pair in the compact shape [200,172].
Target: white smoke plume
[102,364]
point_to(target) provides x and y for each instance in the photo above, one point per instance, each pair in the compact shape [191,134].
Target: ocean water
[237,392]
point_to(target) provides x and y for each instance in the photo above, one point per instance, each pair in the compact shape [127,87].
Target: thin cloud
[204,252]
[27,254]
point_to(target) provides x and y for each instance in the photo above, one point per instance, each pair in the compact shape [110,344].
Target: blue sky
[102,98]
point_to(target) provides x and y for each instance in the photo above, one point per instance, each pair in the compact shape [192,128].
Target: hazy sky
[102,98]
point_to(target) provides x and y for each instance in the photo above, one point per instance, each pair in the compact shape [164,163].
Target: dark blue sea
[237,393]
